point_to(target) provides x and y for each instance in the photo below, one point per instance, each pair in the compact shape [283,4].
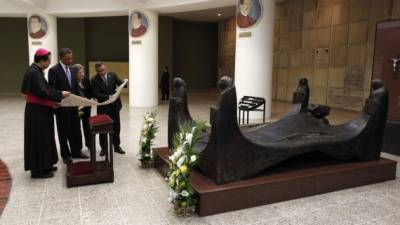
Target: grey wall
[195,53]
[15,56]
[107,38]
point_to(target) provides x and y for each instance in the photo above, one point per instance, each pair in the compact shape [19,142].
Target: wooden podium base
[296,178]
[82,173]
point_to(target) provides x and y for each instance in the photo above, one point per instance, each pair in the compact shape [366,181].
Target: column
[42,33]
[254,51]
[143,58]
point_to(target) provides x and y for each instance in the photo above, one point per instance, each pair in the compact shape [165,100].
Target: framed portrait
[37,27]
[249,12]
[138,24]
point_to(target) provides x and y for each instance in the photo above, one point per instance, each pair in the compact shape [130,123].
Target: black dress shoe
[42,174]
[102,153]
[67,161]
[80,156]
[52,169]
[119,150]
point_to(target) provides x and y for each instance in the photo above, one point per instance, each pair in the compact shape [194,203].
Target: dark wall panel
[165,43]
[107,38]
[196,53]
[71,34]
[15,55]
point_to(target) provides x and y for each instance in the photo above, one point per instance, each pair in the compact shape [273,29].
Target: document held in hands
[75,100]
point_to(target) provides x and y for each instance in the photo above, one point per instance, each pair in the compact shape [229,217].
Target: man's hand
[65,94]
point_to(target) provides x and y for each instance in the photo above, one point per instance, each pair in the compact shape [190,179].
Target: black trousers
[85,124]
[164,93]
[69,131]
[114,114]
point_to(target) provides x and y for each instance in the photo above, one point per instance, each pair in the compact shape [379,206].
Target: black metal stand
[250,103]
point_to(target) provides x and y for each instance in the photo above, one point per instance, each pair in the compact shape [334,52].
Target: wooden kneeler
[94,172]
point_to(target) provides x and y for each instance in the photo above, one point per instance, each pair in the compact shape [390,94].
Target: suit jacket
[102,92]
[86,90]
[59,81]
[165,80]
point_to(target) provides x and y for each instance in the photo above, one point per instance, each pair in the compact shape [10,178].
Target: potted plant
[181,163]
[147,135]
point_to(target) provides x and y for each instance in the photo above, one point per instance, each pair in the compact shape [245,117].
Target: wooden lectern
[94,172]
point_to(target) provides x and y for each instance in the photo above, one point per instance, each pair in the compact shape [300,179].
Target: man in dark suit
[103,87]
[63,78]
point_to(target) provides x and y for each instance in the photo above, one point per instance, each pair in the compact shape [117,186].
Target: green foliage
[182,161]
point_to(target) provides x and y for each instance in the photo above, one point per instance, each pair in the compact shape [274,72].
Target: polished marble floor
[140,196]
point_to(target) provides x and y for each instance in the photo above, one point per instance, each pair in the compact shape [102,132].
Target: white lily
[184,193]
[181,161]
[172,158]
[189,137]
[179,151]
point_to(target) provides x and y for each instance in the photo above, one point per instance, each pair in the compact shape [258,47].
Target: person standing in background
[84,91]
[165,84]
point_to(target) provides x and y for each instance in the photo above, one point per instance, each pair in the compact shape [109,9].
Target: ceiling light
[219,14]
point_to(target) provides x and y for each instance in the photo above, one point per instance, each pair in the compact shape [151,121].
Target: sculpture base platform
[299,177]
[82,173]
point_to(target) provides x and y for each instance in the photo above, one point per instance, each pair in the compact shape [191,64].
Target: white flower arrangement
[182,161]
[147,135]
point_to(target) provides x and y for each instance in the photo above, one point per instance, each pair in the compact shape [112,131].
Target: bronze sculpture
[232,153]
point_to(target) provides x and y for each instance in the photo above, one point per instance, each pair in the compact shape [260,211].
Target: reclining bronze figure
[232,153]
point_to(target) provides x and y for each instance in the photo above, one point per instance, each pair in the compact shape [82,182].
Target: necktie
[68,75]
[105,80]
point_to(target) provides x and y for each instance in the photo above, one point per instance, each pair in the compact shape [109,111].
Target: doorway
[387,49]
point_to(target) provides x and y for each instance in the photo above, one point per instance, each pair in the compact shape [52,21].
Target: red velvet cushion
[80,168]
[100,120]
